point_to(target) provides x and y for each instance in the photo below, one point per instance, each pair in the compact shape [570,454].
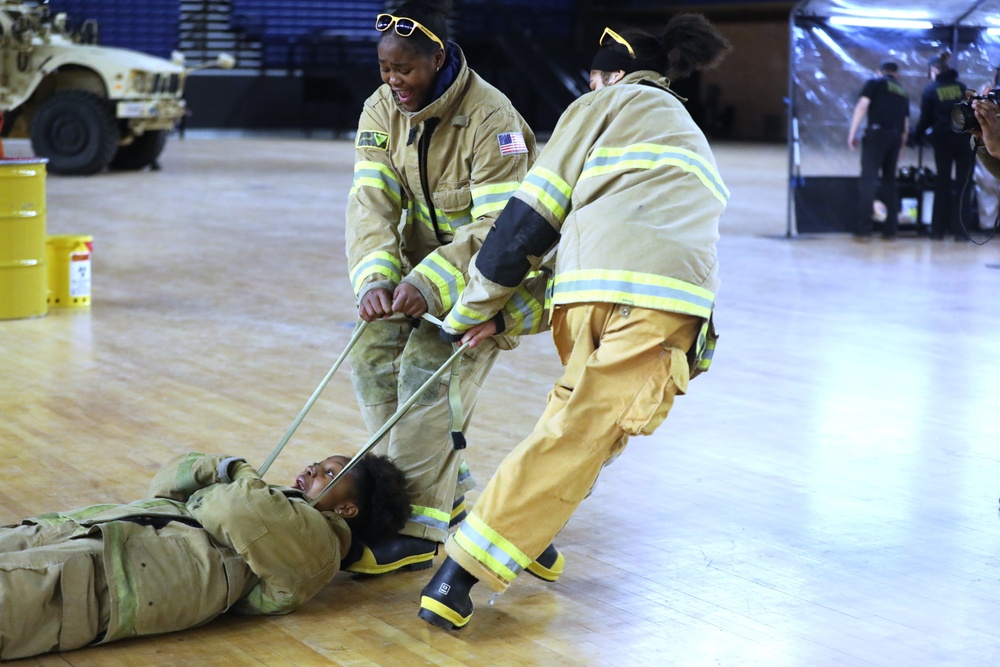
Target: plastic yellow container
[68,258]
[22,238]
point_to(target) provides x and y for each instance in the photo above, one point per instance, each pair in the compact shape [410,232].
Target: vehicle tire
[142,152]
[77,132]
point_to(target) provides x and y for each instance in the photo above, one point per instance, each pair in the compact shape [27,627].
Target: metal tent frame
[834,46]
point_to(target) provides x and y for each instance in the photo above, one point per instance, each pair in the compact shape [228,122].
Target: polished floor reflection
[826,495]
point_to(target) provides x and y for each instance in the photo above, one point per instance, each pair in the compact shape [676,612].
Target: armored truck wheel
[141,153]
[77,132]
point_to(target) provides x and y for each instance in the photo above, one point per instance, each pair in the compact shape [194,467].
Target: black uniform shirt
[890,105]
[937,101]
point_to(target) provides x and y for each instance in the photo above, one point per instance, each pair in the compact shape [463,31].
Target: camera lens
[963,118]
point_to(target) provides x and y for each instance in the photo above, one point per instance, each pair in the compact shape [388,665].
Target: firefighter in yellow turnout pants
[439,153]
[628,188]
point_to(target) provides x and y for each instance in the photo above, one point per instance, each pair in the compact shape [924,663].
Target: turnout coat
[211,537]
[429,184]
[629,190]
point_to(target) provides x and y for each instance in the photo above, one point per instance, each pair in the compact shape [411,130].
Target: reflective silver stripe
[430,522]
[482,544]
[549,188]
[442,277]
[624,291]
[466,318]
[370,175]
[528,308]
[653,156]
[456,220]
[372,266]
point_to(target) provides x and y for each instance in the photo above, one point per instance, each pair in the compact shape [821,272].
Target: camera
[963,118]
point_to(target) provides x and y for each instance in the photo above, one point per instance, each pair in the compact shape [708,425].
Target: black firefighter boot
[445,600]
[548,566]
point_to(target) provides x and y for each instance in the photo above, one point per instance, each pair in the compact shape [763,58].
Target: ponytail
[688,43]
[691,43]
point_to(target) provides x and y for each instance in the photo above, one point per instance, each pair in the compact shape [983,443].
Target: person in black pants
[950,149]
[887,106]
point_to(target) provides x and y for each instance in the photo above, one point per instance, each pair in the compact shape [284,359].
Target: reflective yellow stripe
[376,263]
[449,281]
[706,346]
[526,312]
[549,189]
[644,290]
[650,156]
[423,215]
[376,175]
[429,516]
[487,199]
[462,318]
[490,548]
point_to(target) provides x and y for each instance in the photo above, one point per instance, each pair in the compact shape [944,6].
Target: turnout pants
[388,364]
[53,590]
[623,367]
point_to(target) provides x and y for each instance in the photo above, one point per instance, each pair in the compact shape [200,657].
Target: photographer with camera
[887,107]
[986,128]
[950,149]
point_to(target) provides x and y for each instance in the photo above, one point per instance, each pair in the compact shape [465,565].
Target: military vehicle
[85,107]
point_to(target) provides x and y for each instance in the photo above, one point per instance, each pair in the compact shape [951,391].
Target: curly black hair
[383,504]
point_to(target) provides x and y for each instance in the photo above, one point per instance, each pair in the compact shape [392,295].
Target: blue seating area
[309,33]
[150,26]
[542,18]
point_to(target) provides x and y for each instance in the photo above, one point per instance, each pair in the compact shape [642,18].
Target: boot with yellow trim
[445,600]
[548,566]
[402,552]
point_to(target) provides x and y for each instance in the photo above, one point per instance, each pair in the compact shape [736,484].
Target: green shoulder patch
[373,139]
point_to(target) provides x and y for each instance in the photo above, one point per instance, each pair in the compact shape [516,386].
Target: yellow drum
[68,258]
[23,279]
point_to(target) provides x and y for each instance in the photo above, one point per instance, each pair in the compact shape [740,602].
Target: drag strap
[455,405]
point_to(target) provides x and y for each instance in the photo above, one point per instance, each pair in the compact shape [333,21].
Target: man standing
[950,149]
[887,106]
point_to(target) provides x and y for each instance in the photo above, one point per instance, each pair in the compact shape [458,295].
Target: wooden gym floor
[826,495]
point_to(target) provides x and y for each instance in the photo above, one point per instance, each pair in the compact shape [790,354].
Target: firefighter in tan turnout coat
[439,153]
[628,188]
[211,536]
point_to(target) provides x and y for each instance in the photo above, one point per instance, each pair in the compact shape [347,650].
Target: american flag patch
[511,143]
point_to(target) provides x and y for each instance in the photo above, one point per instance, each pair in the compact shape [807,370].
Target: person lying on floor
[211,537]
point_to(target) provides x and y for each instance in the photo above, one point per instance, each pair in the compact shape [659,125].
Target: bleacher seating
[309,33]
[150,26]
[542,18]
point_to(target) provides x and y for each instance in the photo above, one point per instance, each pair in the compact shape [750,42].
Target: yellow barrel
[68,258]
[22,238]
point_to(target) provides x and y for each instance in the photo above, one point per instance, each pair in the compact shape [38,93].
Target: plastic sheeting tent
[835,47]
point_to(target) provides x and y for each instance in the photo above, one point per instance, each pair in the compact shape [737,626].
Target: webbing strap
[455,407]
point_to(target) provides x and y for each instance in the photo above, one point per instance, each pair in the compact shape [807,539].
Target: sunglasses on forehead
[609,33]
[404,26]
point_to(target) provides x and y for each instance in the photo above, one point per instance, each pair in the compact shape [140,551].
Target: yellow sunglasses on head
[404,26]
[608,32]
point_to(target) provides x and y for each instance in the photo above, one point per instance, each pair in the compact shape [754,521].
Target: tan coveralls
[427,187]
[211,537]
[629,189]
